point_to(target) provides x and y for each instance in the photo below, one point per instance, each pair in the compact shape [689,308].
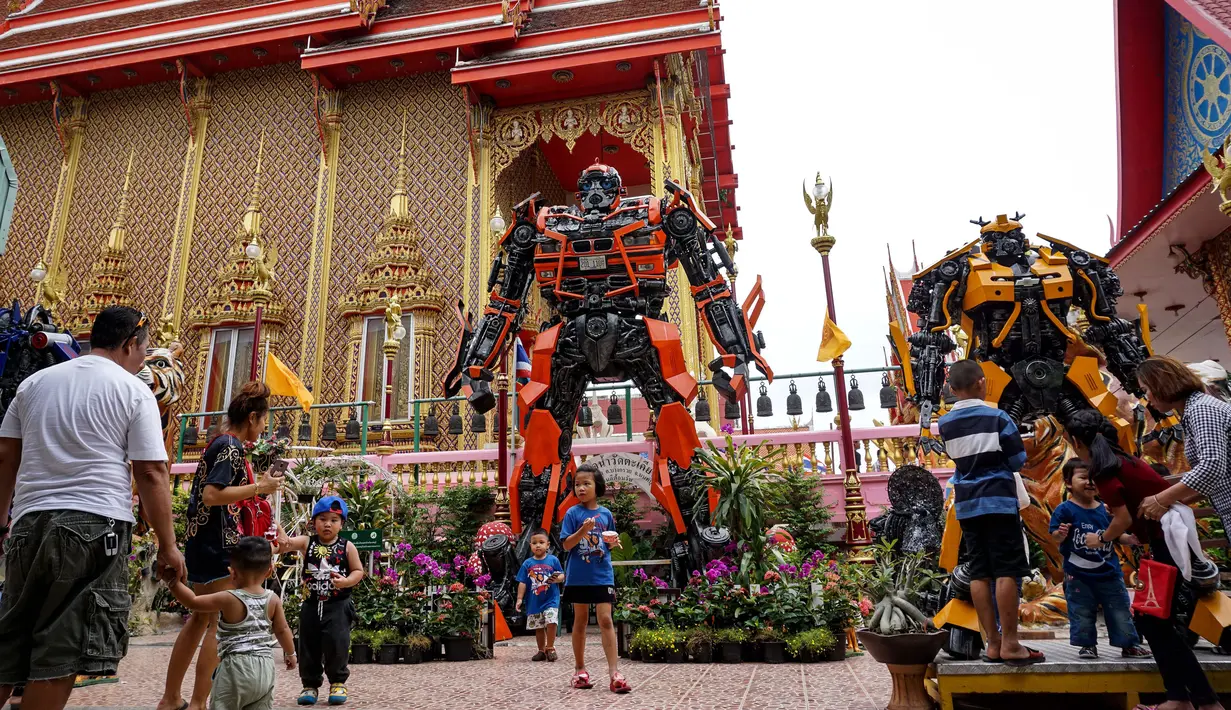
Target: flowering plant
[457,612]
[265,450]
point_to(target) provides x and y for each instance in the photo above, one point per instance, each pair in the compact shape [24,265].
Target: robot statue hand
[732,386]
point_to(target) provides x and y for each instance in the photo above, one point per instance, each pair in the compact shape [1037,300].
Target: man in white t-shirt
[66,443]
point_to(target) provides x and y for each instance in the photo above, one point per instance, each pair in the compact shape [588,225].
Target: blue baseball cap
[329,503]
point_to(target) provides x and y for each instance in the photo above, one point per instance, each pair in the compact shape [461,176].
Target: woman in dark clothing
[222,479]
[1123,483]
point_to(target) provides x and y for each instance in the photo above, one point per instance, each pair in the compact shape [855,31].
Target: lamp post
[856,512]
[394,332]
[259,297]
[498,225]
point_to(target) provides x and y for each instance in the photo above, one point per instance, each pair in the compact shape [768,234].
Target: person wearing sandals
[1123,482]
[589,534]
[1092,576]
[986,449]
[543,573]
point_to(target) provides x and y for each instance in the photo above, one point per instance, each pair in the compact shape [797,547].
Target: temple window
[228,366]
[372,369]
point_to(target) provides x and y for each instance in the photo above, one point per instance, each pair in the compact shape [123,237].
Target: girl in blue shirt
[589,534]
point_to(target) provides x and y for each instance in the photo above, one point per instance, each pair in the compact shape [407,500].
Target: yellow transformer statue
[1011,299]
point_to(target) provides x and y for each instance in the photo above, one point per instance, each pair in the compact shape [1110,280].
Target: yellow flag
[283,381]
[833,341]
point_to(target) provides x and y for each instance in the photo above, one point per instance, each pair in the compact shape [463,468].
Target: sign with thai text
[365,540]
[626,468]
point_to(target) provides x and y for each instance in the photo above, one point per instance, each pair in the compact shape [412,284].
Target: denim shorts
[66,603]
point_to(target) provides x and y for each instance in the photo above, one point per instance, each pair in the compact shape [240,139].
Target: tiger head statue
[164,375]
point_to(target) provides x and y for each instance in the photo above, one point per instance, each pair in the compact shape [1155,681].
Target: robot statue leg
[656,366]
[957,614]
[542,473]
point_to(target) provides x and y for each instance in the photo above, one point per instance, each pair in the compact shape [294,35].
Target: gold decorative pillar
[185,214]
[108,284]
[71,128]
[487,190]
[316,297]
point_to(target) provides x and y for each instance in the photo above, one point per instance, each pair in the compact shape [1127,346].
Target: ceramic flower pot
[457,648]
[907,657]
[773,651]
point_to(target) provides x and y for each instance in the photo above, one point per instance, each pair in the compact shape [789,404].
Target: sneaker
[307,696]
[540,656]
[1088,652]
[337,694]
[1136,652]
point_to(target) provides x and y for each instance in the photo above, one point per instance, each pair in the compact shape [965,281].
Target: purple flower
[817,556]
[367,485]
[640,575]
[730,548]
[712,575]
[806,569]
[660,583]
[438,572]
[727,428]
[788,569]
[482,581]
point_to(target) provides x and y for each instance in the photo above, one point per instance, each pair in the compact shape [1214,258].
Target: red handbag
[1158,580]
[254,516]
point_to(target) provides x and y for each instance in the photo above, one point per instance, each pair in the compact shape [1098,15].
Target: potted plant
[361,646]
[385,646]
[458,620]
[810,646]
[416,646]
[897,633]
[741,477]
[661,645]
[699,641]
[677,651]
[773,649]
[730,643]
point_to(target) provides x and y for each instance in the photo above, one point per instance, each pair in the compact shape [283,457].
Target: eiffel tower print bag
[1154,598]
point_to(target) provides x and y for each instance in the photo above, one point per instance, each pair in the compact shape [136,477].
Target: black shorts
[995,546]
[589,594]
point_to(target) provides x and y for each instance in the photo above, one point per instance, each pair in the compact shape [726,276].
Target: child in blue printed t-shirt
[543,573]
[1092,575]
[589,533]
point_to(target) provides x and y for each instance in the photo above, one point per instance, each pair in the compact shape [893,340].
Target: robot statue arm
[510,279]
[931,300]
[1123,343]
[691,239]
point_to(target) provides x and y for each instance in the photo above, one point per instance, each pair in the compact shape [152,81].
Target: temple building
[201,159]
[1171,244]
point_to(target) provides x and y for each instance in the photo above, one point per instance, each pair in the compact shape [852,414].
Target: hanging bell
[431,427]
[854,398]
[765,405]
[730,409]
[455,421]
[615,415]
[212,431]
[586,417]
[191,434]
[352,428]
[284,430]
[703,408]
[824,404]
[946,393]
[329,432]
[478,422]
[305,428]
[889,393]
[794,405]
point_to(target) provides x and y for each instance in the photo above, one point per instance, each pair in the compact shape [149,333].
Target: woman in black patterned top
[222,479]
[1206,423]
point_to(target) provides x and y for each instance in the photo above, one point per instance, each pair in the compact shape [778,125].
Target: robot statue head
[1003,239]
[599,188]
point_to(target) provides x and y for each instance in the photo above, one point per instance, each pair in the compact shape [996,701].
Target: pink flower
[865,606]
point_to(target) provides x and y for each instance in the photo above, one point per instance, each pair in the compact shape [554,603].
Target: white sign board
[626,468]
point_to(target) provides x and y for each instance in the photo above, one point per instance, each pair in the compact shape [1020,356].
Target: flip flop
[1034,657]
[988,659]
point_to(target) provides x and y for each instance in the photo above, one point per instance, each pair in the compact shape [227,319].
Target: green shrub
[385,637]
[418,642]
[657,642]
[361,637]
[813,641]
[730,636]
[698,637]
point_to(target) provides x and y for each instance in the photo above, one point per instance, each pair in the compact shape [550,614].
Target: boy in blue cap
[331,567]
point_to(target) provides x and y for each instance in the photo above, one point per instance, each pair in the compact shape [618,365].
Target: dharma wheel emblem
[1209,88]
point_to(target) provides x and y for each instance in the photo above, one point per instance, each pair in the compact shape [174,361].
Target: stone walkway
[512,681]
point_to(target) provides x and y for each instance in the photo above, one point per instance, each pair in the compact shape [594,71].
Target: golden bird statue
[1220,174]
[820,208]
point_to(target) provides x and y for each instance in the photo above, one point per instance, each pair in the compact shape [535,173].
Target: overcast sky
[926,115]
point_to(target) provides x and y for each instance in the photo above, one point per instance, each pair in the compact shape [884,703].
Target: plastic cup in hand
[611,537]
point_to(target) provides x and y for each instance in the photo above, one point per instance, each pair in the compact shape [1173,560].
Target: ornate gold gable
[108,284]
[395,269]
[242,282]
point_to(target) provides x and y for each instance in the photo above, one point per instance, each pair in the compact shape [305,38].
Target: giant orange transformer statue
[602,267]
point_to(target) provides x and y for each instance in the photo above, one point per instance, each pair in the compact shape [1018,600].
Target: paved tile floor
[512,681]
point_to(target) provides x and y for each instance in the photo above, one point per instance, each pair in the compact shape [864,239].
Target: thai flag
[522,368]
[808,465]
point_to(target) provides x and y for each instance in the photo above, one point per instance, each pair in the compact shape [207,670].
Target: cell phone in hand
[279,468]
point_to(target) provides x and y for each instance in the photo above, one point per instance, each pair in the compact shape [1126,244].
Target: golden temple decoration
[1220,174]
[185,216]
[108,284]
[52,289]
[367,9]
[244,282]
[396,277]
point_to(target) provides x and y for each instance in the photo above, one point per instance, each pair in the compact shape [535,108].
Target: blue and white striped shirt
[986,449]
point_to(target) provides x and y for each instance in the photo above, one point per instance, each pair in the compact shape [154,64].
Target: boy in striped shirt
[986,450]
